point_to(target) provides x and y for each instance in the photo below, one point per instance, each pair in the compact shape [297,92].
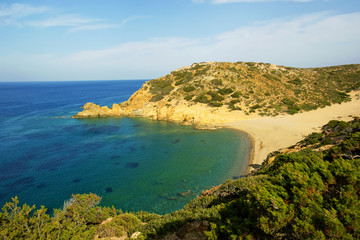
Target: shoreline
[270,134]
[250,157]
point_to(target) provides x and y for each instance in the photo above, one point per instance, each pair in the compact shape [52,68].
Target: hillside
[204,93]
[311,193]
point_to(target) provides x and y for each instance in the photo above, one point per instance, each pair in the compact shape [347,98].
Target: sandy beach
[274,133]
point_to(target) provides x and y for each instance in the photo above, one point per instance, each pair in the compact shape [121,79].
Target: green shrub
[296,82]
[215,104]
[217,82]
[215,96]
[226,91]
[188,97]
[234,101]
[313,138]
[156,98]
[308,107]
[188,88]
[120,225]
[160,88]
[235,95]
[256,106]
[201,99]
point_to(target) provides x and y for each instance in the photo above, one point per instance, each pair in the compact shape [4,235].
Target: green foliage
[156,98]
[120,225]
[189,88]
[201,99]
[215,104]
[296,81]
[77,220]
[236,95]
[271,77]
[217,82]
[160,88]
[292,108]
[339,97]
[202,71]
[313,138]
[182,77]
[308,107]
[188,97]
[226,91]
[215,96]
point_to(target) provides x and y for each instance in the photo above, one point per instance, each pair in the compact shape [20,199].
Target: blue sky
[48,40]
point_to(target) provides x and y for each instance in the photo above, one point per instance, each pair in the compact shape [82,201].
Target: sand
[274,133]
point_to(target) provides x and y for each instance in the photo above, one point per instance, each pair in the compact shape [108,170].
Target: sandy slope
[273,133]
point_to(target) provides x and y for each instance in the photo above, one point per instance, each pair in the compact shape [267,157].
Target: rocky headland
[216,93]
[275,105]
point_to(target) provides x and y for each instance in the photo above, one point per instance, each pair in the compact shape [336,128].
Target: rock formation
[208,93]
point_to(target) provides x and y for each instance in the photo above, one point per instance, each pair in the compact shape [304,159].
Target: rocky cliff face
[208,93]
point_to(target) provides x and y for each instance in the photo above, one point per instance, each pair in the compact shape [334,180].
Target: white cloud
[64,21]
[75,23]
[94,27]
[18,15]
[132,18]
[310,41]
[16,11]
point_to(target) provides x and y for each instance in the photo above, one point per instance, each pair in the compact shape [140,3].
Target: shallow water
[133,163]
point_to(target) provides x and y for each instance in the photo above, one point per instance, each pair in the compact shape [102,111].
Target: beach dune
[274,133]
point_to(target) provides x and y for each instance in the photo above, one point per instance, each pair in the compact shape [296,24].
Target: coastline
[270,134]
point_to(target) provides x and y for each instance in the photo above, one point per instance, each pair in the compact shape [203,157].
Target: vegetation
[258,83]
[311,193]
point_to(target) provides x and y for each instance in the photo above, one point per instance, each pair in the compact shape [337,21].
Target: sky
[61,40]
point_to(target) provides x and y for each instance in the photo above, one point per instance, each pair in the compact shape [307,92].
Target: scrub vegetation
[273,89]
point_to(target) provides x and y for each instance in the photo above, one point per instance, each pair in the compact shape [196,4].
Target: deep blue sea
[132,163]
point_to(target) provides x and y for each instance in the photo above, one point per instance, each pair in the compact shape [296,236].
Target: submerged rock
[185,194]
[132,165]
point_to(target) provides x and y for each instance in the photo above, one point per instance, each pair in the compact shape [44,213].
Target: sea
[134,164]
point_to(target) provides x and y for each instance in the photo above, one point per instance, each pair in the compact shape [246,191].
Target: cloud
[74,22]
[16,11]
[313,40]
[247,1]
[18,15]
[132,18]
[63,21]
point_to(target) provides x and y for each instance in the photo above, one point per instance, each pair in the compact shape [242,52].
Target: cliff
[215,92]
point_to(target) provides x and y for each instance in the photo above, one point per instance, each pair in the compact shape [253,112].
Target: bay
[132,163]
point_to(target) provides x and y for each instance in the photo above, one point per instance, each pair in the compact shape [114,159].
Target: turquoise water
[133,163]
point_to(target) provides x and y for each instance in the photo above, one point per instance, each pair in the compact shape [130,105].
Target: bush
[188,97]
[226,91]
[189,88]
[235,95]
[308,107]
[215,96]
[156,98]
[161,87]
[296,81]
[215,104]
[217,82]
[201,99]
